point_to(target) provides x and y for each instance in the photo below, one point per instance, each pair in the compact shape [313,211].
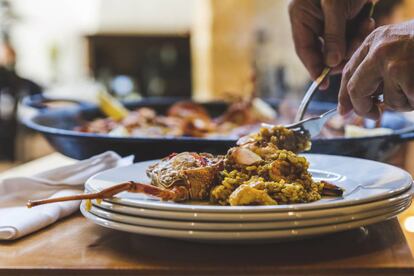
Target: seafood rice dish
[264,169]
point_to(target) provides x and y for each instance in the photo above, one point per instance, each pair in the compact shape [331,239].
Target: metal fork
[313,125]
[309,94]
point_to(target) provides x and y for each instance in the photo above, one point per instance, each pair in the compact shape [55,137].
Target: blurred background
[204,49]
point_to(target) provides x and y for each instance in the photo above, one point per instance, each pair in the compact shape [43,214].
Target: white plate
[238,236]
[264,216]
[240,226]
[363,181]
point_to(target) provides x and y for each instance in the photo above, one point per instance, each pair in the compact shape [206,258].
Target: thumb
[334,32]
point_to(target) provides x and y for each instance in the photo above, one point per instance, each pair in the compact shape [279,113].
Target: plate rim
[265,216]
[241,226]
[239,235]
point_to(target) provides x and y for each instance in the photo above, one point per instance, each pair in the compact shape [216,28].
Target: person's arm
[384,63]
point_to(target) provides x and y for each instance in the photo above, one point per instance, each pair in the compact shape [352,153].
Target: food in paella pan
[189,119]
[186,119]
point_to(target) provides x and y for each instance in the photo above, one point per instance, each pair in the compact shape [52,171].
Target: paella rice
[278,176]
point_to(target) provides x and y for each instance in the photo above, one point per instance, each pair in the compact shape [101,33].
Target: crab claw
[179,193]
[331,189]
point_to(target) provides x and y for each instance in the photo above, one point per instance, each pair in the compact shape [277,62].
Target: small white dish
[363,180]
[238,236]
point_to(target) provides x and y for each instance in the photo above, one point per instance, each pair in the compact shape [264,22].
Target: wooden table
[77,246]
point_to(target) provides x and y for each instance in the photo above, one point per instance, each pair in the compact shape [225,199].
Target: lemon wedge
[111,106]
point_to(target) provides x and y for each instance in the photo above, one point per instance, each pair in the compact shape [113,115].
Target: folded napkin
[16,220]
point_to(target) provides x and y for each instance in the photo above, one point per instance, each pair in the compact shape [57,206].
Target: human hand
[383,64]
[320,29]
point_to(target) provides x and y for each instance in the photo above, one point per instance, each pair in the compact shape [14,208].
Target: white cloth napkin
[16,220]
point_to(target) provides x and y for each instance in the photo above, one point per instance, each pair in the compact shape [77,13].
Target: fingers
[312,20]
[306,30]
[364,78]
[308,50]
[344,101]
[334,32]
[383,62]
[362,86]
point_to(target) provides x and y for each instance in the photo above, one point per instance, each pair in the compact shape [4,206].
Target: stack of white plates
[373,192]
